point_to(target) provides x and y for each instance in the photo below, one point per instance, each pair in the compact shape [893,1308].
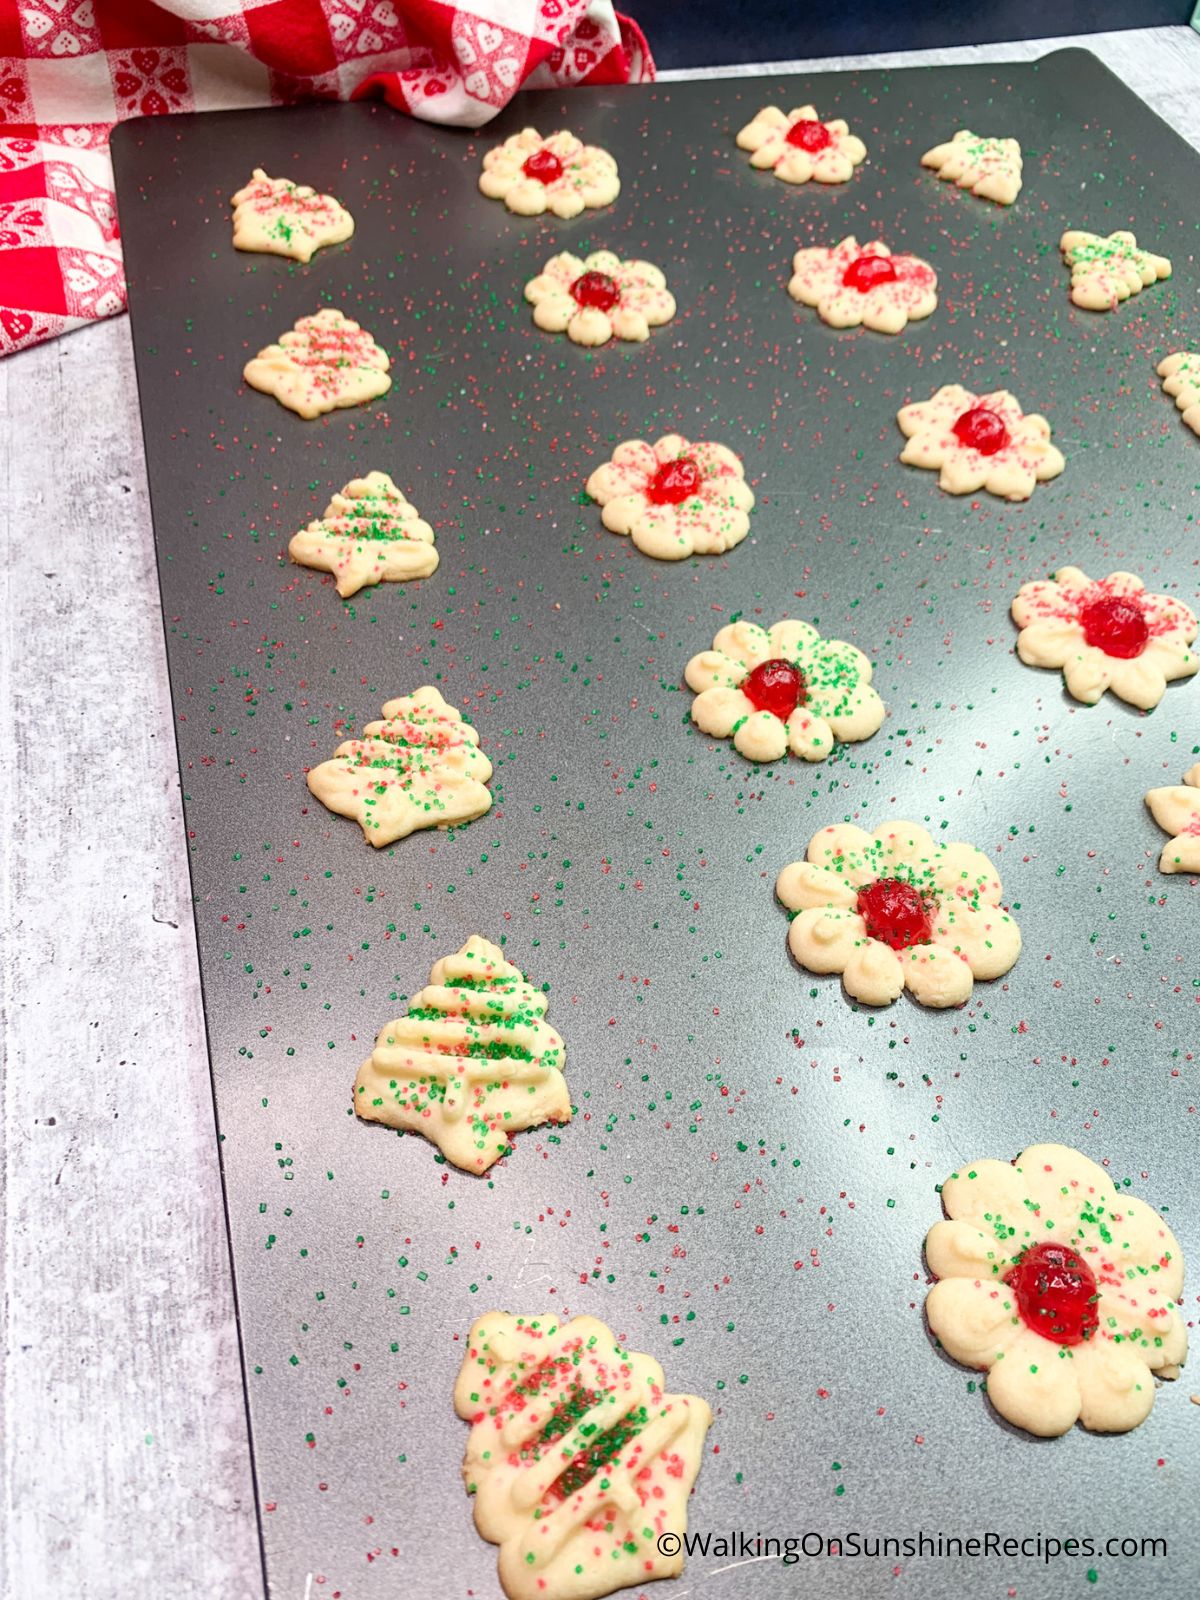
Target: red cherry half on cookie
[674,482]
[809,134]
[896,913]
[1115,624]
[543,165]
[775,686]
[869,272]
[596,289]
[982,430]
[1056,1293]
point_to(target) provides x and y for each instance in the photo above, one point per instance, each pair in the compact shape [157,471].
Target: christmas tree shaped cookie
[473,1062]
[369,534]
[325,361]
[275,217]
[989,168]
[1107,270]
[421,767]
[580,1463]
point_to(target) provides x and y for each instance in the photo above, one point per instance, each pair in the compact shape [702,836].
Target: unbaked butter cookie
[420,767]
[989,168]
[1176,809]
[324,362]
[979,441]
[579,1461]
[851,285]
[369,534]
[799,147]
[674,499]
[559,174]
[1108,269]
[894,910]
[593,299]
[783,688]
[1108,634]
[274,216]
[1058,1285]
[472,1062]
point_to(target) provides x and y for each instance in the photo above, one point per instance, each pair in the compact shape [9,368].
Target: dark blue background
[700,33]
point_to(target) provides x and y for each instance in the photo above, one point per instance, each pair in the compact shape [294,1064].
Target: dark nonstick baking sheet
[753,1163]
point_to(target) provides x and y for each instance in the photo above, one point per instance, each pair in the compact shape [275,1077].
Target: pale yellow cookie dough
[562,1407]
[421,767]
[1025,459]
[586,176]
[989,168]
[1063,625]
[1107,270]
[896,290]
[837,701]
[637,291]
[1176,809]
[706,513]
[275,217]
[369,534]
[956,929]
[324,362]
[1181,380]
[473,1062]
[1053,1195]
[774,140]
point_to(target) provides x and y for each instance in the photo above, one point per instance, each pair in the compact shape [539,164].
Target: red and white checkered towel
[69,69]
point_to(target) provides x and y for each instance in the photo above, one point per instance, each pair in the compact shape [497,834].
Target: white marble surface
[124,1466]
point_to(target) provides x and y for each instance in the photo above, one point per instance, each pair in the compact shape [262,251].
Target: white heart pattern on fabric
[506,70]
[490,38]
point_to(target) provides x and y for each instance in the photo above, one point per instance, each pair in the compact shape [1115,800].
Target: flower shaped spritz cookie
[1176,809]
[421,767]
[1105,271]
[800,147]
[850,285]
[979,441]
[593,299]
[1181,380]
[674,499]
[473,1062]
[783,689]
[578,1459]
[1111,634]
[989,168]
[324,362]
[892,909]
[559,174]
[369,534]
[1060,1287]
[275,217]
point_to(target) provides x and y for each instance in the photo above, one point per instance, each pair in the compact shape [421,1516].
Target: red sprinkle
[896,913]
[674,482]
[982,430]
[1056,1293]
[810,135]
[1115,624]
[775,686]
